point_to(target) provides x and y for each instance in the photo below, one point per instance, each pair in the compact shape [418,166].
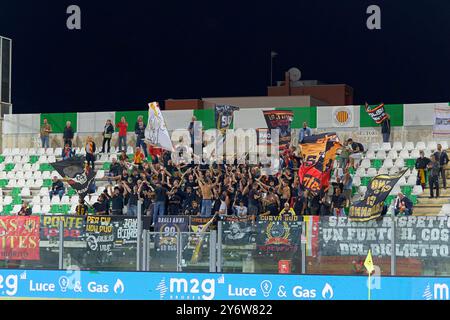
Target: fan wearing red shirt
[123,128]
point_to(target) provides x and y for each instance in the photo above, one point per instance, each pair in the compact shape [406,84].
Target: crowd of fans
[168,188]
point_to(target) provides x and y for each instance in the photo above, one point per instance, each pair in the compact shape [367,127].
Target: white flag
[156,132]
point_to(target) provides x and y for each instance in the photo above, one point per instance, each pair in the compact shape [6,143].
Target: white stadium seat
[404,154]
[370,154]
[15,151]
[414,154]
[432,145]
[45,209]
[402,181]
[360,172]
[383,170]
[55,200]
[49,151]
[46,199]
[421,145]
[400,163]
[7,152]
[41,151]
[25,192]
[7,200]
[43,192]
[374,147]
[25,159]
[12,183]
[386,146]
[381,155]
[42,159]
[51,159]
[46,175]
[17,159]
[38,183]
[32,151]
[356,181]
[392,154]
[18,167]
[16,209]
[445,211]
[65,200]
[394,170]
[20,175]
[395,190]
[371,172]
[365,163]
[397,146]
[58,152]
[444,144]
[36,200]
[411,180]
[36,209]
[28,175]
[388,163]
[20,183]
[37,174]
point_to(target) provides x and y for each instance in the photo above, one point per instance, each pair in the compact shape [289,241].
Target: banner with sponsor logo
[211,286]
[19,238]
[281,120]
[378,114]
[278,234]
[319,152]
[74,231]
[377,191]
[441,123]
[168,227]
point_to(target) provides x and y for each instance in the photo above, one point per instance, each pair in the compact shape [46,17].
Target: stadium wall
[410,122]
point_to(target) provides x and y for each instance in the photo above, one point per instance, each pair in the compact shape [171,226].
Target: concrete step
[440,200]
[426,210]
[442,193]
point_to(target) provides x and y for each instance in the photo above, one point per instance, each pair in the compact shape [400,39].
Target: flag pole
[369,286]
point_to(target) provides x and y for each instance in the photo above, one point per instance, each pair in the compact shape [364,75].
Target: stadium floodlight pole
[393,245]
[61,245]
[139,236]
[273,54]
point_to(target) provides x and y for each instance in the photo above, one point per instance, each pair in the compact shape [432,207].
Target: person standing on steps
[434,169]
[386,128]
[421,166]
[442,157]
[108,130]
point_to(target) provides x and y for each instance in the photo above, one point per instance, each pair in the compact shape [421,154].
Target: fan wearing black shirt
[100,207]
[117,201]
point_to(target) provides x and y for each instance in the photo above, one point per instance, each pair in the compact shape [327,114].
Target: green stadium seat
[65,208]
[365,181]
[352,171]
[47,183]
[17,200]
[354,190]
[407,190]
[34,159]
[130,157]
[55,208]
[71,192]
[413,198]
[2,158]
[389,200]
[7,209]
[106,166]
[15,192]
[9,167]
[410,163]
[376,163]
[3,183]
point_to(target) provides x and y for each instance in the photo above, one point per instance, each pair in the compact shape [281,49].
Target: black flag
[73,170]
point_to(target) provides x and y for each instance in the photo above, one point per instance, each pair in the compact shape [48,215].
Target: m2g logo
[193,288]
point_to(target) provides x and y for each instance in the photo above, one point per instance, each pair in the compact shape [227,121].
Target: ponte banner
[319,152]
[377,191]
[19,238]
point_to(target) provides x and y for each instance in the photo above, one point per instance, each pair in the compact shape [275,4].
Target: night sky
[131,52]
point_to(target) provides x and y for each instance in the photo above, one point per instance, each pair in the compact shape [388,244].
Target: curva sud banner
[19,238]
[38,284]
